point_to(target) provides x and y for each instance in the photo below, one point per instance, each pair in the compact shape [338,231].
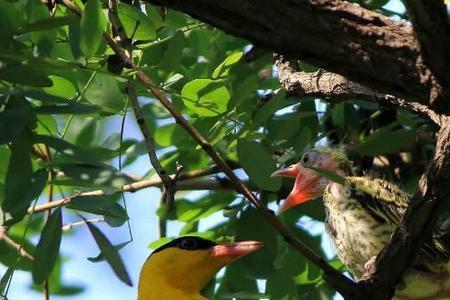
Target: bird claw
[368,266]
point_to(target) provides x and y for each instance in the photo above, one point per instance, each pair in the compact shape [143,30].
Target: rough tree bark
[362,45]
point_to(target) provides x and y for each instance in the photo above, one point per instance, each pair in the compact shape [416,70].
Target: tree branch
[335,87]
[169,186]
[184,184]
[11,243]
[430,22]
[341,37]
[417,224]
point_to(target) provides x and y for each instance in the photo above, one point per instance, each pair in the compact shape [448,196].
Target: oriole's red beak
[233,251]
[299,193]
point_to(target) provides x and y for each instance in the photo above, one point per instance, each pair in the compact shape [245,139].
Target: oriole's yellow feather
[178,274]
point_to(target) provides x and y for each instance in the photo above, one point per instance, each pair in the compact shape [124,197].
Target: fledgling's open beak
[300,192]
[233,251]
[291,171]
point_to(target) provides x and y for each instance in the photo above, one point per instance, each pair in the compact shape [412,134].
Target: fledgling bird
[361,215]
[180,269]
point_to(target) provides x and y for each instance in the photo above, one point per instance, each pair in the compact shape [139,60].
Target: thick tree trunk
[362,45]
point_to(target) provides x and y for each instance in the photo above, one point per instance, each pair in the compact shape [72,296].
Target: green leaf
[205,97]
[44,24]
[158,243]
[384,142]
[223,69]
[16,119]
[329,175]
[171,58]
[338,114]
[47,250]
[99,205]
[135,22]
[173,135]
[61,87]
[260,263]
[74,37]
[100,256]
[258,164]
[110,254]
[8,256]
[90,175]
[302,140]
[15,74]
[104,92]
[310,118]
[4,281]
[43,39]
[34,94]
[5,154]
[68,149]
[284,127]
[71,108]
[35,186]
[191,211]
[234,282]
[22,186]
[92,25]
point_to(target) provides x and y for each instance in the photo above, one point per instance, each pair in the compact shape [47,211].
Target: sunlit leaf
[92,25]
[135,23]
[206,97]
[223,69]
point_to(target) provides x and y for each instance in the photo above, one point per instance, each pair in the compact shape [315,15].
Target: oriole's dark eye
[188,244]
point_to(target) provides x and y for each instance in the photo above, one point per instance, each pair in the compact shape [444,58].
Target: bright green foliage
[63,96]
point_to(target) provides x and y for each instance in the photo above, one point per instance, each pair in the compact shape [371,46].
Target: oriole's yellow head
[181,268]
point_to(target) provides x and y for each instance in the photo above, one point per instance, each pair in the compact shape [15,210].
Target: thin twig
[51,174]
[169,186]
[162,221]
[70,226]
[11,243]
[183,184]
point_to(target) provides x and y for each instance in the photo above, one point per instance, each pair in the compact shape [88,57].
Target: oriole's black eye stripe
[187,243]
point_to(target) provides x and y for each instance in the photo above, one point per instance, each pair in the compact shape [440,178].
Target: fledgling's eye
[305,158]
[188,244]
[310,158]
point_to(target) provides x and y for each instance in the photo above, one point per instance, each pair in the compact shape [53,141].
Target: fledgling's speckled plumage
[361,215]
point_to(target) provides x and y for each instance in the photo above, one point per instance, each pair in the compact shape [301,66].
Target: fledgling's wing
[386,202]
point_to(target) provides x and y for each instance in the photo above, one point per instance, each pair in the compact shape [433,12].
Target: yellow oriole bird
[361,214]
[180,269]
